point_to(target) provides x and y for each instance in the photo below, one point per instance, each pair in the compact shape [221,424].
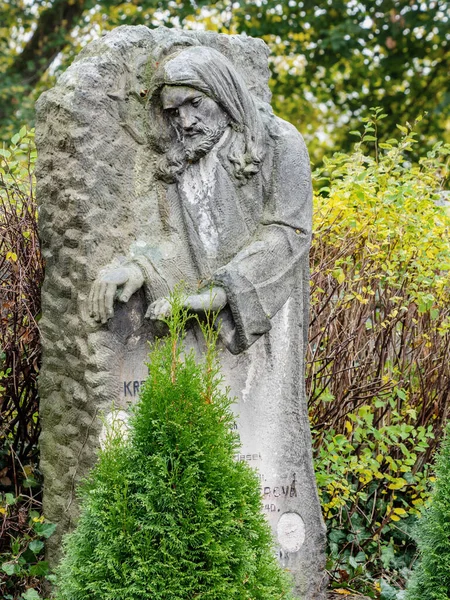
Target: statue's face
[198,118]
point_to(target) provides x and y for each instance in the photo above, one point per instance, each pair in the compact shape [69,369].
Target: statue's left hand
[104,288]
[159,310]
[214,300]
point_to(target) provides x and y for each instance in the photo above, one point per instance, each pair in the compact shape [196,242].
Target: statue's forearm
[213,300]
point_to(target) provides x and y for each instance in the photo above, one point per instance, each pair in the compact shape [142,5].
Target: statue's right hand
[104,288]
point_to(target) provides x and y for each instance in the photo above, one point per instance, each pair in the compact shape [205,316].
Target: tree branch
[48,39]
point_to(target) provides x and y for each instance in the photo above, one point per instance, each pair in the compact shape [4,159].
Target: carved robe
[251,239]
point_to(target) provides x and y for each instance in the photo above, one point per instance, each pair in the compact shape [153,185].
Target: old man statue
[222,192]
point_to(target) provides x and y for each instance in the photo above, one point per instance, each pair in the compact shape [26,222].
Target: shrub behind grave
[379,353]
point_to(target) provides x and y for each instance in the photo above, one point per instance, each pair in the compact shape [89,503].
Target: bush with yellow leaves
[379,352]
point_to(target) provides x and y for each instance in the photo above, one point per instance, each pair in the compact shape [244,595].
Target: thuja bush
[431,579]
[379,353]
[167,512]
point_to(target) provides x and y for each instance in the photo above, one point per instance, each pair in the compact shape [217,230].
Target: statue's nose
[188,119]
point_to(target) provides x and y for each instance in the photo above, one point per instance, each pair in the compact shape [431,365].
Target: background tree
[335,60]
[330,62]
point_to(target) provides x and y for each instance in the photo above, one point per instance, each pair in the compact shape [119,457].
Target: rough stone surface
[117,210]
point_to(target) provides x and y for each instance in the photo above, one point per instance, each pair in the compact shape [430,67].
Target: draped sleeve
[261,277]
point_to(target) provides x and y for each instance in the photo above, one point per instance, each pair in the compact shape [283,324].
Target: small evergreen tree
[431,579]
[167,513]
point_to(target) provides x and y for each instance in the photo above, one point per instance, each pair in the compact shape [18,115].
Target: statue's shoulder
[287,136]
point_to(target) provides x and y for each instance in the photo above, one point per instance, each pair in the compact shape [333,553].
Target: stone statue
[240,203]
[220,196]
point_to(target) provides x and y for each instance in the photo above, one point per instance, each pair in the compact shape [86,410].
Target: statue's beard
[186,150]
[197,146]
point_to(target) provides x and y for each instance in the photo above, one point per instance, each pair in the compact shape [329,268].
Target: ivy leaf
[31,594]
[44,529]
[30,482]
[10,568]
[40,569]
[36,546]
[387,591]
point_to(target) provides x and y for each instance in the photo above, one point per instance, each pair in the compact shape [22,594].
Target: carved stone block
[160,161]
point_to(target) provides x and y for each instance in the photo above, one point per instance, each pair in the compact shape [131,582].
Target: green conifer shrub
[167,513]
[431,579]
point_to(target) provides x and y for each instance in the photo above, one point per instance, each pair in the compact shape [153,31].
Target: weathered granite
[129,208]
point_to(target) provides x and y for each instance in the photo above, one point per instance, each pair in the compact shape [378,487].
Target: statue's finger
[152,311]
[128,290]
[91,300]
[109,300]
[167,309]
[156,311]
[161,310]
[95,294]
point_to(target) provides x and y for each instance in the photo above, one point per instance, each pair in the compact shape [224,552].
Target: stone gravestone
[160,162]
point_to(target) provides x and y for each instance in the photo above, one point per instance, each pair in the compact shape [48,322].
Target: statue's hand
[104,288]
[159,310]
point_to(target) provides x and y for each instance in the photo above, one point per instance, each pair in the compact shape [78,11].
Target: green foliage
[334,61]
[34,34]
[378,357]
[431,580]
[167,512]
[371,491]
[21,275]
[331,62]
[22,566]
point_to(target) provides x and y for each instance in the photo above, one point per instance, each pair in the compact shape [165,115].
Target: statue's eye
[196,101]
[173,112]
